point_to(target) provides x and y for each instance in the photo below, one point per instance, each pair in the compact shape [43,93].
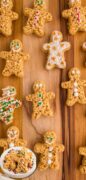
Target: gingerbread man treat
[8,104]
[56,50]
[48,151]
[82,151]
[76,16]
[75,88]
[14,59]
[6,17]
[37,17]
[12,139]
[40,99]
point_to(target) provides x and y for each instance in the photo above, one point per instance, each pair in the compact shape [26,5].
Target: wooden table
[68,123]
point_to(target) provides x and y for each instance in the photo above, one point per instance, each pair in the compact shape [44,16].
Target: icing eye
[73,72]
[40,85]
[37,85]
[78,72]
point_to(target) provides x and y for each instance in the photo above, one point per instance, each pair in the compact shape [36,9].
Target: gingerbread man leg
[73,28]
[71,101]
[39,32]
[83,169]
[54,164]
[19,70]
[28,29]
[43,164]
[83,27]
[50,64]
[7,71]
[62,64]
[82,99]
[48,111]
[36,114]
[7,29]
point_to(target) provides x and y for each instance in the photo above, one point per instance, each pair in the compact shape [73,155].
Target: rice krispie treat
[48,151]
[75,88]
[40,99]
[7,16]
[76,16]
[12,139]
[8,104]
[37,17]
[56,49]
[14,59]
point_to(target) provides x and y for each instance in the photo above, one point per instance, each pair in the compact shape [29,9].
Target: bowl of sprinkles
[18,162]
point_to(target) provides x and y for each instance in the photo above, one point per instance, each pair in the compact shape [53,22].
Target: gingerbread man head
[74,74]
[38,86]
[9,91]
[73,2]
[8,4]
[13,133]
[39,3]
[56,36]
[50,137]
[16,45]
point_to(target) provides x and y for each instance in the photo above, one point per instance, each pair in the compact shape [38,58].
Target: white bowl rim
[19,175]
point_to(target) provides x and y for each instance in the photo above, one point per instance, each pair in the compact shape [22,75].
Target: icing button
[50,148]
[49,161]
[76,94]
[50,155]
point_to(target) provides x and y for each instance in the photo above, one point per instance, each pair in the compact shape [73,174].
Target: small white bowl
[11,173]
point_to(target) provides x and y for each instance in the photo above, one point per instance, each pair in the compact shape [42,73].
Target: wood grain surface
[68,123]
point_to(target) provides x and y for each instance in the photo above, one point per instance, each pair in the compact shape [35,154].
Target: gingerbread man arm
[65,85]
[46,46]
[14,16]
[39,148]
[84,10]
[4,54]
[65,46]
[29,97]
[66,13]
[48,16]
[84,82]
[17,103]
[60,148]
[26,57]
[82,151]
[3,143]
[28,12]
[50,95]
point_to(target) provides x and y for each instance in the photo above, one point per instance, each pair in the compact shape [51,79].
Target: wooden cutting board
[68,123]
